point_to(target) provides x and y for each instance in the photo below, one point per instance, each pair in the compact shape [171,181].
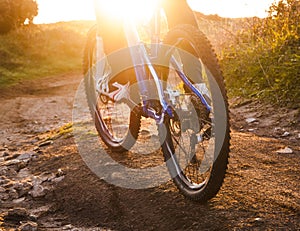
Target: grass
[36,51]
[41,50]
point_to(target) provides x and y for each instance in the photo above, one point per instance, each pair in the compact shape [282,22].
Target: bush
[14,13]
[42,50]
[264,62]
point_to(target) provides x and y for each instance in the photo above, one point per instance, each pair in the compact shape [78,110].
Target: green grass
[41,50]
[252,70]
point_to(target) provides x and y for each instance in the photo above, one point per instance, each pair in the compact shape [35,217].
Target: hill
[41,50]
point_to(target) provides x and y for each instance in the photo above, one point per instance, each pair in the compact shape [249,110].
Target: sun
[65,10]
[138,10]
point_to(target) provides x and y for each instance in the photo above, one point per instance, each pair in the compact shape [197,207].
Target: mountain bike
[174,80]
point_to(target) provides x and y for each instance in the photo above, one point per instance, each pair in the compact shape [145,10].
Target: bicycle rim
[197,140]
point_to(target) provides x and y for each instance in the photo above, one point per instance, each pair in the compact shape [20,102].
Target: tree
[14,13]
[5,23]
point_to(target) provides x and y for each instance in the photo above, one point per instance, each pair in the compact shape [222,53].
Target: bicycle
[179,85]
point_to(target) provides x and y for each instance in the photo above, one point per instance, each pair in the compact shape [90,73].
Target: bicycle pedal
[121,92]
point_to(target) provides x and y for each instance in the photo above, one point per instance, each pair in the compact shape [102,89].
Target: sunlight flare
[138,10]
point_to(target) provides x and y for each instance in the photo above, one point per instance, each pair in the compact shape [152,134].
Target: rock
[251,120]
[21,165]
[3,170]
[10,162]
[38,212]
[285,150]
[13,194]
[278,131]
[60,173]
[38,190]
[37,148]
[285,134]
[58,179]
[3,195]
[258,219]
[23,188]
[19,200]
[28,226]
[46,143]
[45,177]
[14,156]
[25,156]
[68,227]
[5,154]
[24,173]
[4,181]
[39,152]
[12,149]
[16,215]
[2,190]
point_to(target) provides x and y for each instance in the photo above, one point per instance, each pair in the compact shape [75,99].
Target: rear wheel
[196,136]
[117,122]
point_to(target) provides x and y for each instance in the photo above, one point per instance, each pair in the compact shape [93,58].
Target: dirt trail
[45,185]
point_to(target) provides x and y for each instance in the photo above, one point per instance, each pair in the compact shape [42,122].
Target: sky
[66,10]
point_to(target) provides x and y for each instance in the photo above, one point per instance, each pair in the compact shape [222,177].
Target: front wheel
[117,123]
[196,136]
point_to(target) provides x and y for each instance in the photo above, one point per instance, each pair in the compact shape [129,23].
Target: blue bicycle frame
[141,59]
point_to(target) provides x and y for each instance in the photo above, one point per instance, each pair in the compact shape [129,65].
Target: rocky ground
[45,184]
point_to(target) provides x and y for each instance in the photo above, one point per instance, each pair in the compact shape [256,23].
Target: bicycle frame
[142,59]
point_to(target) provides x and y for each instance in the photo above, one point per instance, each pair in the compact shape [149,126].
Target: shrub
[264,62]
[14,13]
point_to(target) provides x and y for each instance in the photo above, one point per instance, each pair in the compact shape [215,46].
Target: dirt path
[45,185]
